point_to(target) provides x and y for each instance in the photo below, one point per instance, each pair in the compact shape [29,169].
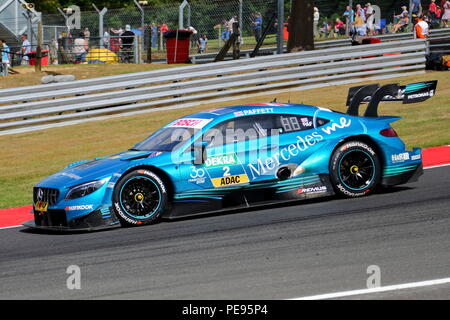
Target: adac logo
[230,180]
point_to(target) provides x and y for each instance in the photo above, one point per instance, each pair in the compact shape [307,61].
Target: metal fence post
[280,26]
[142,14]
[101,14]
[349,19]
[136,49]
[241,25]
[181,14]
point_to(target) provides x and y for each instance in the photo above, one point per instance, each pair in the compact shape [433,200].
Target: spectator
[257,25]
[446,16]
[87,35]
[420,28]
[370,18]
[154,30]
[225,33]
[339,27]
[325,29]
[127,39]
[114,41]
[193,35]
[202,44]
[404,20]
[416,7]
[25,50]
[349,14]
[438,13]
[360,28]
[80,48]
[360,13]
[316,21]
[432,8]
[106,39]
[163,29]
[232,21]
[4,57]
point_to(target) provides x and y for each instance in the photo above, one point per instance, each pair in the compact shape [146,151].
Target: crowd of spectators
[360,20]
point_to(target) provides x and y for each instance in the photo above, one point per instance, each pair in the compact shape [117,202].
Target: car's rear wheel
[139,198]
[355,169]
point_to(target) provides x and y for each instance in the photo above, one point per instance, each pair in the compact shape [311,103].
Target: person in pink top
[446,15]
[433,6]
[339,27]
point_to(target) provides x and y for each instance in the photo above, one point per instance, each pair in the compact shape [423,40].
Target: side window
[292,122]
[239,129]
[320,122]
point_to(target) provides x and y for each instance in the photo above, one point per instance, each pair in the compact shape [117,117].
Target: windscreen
[165,139]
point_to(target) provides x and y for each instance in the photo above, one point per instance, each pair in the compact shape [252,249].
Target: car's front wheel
[140,197]
[355,169]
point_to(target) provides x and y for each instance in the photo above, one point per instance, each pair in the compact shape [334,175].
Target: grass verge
[26,75]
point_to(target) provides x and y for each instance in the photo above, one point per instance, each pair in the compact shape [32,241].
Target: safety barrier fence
[44,106]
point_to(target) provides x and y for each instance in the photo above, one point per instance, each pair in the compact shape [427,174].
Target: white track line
[10,227]
[376,290]
[438,166]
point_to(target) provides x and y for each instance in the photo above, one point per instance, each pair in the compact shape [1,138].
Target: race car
[236,157]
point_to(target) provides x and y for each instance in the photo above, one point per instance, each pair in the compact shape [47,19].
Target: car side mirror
[199,152]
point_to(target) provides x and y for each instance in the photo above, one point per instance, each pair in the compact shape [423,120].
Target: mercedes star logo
[40,195]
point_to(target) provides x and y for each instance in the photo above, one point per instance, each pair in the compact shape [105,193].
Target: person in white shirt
[370,18]
[106,39]
[25,50]
[316,21]
[80,47]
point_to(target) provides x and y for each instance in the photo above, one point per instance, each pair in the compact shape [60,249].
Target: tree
[301,33]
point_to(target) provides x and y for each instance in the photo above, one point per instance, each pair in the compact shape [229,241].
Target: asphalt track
[297,250]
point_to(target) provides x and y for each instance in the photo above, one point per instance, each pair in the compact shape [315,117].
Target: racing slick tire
[355,169]
[140,198]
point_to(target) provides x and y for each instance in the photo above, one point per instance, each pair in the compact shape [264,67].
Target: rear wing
[373,94]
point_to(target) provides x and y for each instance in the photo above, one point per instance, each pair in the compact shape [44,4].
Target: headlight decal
[85,189]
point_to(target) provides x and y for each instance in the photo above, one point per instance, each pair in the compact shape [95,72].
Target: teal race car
[236,157]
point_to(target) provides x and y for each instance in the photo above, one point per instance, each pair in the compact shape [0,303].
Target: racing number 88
[290,124]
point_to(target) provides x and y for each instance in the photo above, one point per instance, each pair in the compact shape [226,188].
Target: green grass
[26,75]
[29,157]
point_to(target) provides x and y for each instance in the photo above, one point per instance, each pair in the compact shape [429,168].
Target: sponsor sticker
[41,206]
[222,160]
[80,207]
[230,180]
[306,122]
[313,190]
[401,157]
[110,185]
[253,112]
[421,95]
[195,123]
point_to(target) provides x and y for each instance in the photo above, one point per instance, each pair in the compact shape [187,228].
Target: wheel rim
[356,170]
[140,197]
